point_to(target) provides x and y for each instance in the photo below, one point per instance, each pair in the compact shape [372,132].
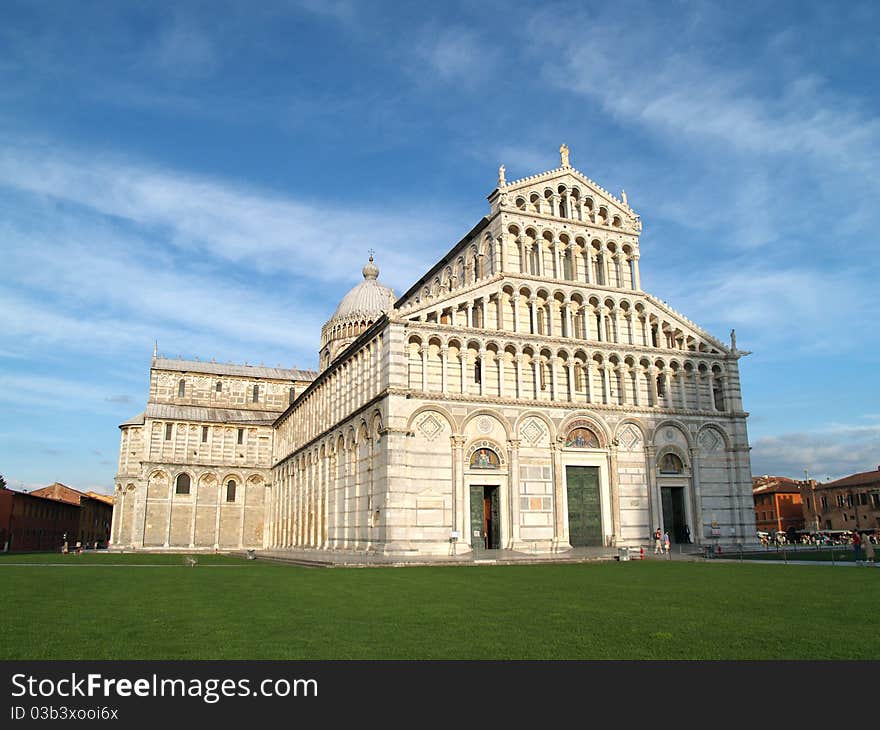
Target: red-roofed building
[850,503]
[44,518]
[778,506]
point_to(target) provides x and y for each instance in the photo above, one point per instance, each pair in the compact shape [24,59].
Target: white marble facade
[525,393]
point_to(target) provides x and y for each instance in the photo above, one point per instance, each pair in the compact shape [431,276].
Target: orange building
[45,518]
[778,505]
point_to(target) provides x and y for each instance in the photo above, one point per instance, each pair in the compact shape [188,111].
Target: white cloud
[263,231]
[455,54]
[833,452]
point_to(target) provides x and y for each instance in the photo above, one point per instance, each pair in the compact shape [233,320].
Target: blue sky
[212,174]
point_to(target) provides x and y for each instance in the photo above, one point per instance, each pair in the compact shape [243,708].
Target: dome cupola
[362,306]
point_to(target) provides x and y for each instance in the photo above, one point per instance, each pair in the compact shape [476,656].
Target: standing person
[857,546]
[869,549]
[666,542]
[687,535]
[658,541]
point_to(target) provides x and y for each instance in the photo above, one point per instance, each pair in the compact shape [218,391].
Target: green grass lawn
[228,608]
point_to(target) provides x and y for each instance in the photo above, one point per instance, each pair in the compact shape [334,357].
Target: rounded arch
[661,460]
[521,419]
[376,424]
[505,424]
[157,475]
[632,422]
[450,420]
[232,475]
[718,430]
[590,420]
[676,424]
[479,444]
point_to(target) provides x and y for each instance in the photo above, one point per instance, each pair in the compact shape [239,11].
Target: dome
[368,299]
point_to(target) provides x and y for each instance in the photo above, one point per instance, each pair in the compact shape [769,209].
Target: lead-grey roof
[219,368]
[137,420]
[209,415]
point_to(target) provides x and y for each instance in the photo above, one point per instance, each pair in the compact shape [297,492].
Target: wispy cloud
[832,452]
[264,231]
[455,54]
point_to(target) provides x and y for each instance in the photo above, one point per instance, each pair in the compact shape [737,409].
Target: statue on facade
[733,340]
[563,154]
[501,181]
[623,198]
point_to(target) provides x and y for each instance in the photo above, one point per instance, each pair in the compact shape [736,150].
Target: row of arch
[568,314]
[651,433]
[452,365]
[539,252]
[569,203]
[326,493]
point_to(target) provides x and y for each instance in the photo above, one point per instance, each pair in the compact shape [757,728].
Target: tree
[2,482]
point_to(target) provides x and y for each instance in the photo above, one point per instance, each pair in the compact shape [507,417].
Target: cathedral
[524,394]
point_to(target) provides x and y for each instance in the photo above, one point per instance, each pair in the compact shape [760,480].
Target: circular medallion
[484,425]
[670,434]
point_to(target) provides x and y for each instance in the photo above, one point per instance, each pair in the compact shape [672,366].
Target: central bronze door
[485,518]
[584,507]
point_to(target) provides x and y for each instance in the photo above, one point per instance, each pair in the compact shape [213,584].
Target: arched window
[230,490]
[718,394]
[182,484]
[256,397]
[654,335]
[478,377]
[219,387]
[661,386]
[671,464]
[578,378]
[533,262]
[567,268]
[181,388]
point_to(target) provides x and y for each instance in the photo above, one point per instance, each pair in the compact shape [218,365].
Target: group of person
[862,543]
[661,542]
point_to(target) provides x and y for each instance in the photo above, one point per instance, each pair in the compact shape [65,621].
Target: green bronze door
[584,509]
[485,518]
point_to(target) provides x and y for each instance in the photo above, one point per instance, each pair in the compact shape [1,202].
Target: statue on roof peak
[563,154]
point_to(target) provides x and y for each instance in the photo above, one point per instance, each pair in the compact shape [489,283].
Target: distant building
[45,518]
[778,504]
[95,516]
[850,503]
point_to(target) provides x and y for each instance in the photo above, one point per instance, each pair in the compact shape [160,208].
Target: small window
[168,427]
[661,386]
[204,434]
[230,490]
[291,396]
[219,387]
[241,435]
[256,397]
[181,388]
[182,484]
[477,374]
